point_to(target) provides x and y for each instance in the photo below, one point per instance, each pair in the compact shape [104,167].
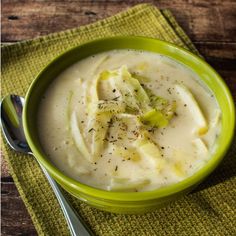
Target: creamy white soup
[127,120]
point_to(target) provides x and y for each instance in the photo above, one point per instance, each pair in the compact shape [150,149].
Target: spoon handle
[75,222]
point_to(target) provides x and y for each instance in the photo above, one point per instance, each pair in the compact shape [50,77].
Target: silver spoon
[11,123]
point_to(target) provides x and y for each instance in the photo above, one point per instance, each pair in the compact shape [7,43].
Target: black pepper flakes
[113,141]
[116,98]
[92,129]
[116,168]
[169,91]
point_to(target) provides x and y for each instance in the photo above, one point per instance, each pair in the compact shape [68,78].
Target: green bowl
[135,202]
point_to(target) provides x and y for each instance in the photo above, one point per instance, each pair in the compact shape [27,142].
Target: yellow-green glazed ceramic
[136,202]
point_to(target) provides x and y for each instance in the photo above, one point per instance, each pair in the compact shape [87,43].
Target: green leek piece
[154,118]
[78,137]
[169,110]
[130,89]
[166,107]
[127,185]
[101,114]
[107,74]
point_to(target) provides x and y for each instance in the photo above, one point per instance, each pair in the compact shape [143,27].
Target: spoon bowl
[11,121]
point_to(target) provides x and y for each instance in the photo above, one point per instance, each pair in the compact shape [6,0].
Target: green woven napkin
[210,210]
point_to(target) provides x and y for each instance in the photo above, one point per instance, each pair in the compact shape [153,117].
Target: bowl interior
[197,65]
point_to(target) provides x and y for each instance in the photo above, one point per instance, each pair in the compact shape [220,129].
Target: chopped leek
[154,118]
[101,114]
[154,111]
[194,108]
[150,151]
[138,99]
[131,90]
[161,104]
[104,75]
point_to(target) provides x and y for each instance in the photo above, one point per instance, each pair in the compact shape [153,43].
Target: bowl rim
[132,196]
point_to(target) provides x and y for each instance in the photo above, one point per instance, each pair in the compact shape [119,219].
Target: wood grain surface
[211,25]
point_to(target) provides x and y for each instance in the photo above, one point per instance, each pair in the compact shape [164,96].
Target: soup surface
[127,120]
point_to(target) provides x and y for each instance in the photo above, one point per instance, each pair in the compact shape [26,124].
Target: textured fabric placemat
[210,210]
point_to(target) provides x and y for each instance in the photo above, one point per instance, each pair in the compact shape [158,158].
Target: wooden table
[210,24]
